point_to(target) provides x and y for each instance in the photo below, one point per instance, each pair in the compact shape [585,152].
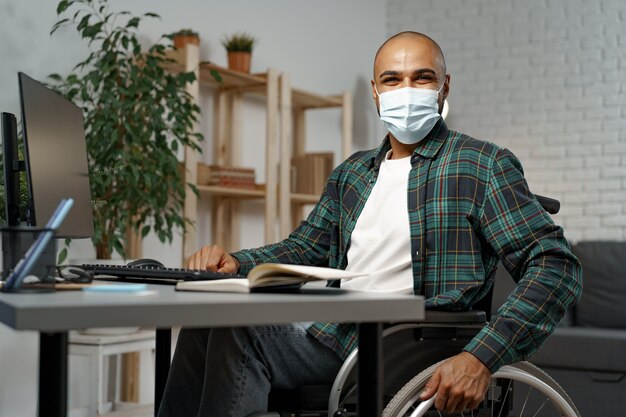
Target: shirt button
[417,253]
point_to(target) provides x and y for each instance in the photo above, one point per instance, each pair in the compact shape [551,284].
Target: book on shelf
[226,176]
[310,172]
[270,277]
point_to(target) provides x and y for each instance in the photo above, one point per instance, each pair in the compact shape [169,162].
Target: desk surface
[162,306]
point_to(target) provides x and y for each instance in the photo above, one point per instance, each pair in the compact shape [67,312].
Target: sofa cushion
[584,348]
[604,284]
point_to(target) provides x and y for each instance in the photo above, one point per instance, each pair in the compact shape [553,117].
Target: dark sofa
[586,354]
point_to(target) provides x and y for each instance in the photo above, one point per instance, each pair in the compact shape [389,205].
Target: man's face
[409,61]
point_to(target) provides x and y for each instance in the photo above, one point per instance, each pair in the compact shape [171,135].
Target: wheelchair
[412,352]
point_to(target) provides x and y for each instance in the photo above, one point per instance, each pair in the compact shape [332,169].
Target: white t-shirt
[381,242]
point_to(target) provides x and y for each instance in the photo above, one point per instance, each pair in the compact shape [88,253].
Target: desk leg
[163,355]
[370,371]
[52,374]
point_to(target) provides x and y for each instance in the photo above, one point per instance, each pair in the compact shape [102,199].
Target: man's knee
[231,338]
[230,343]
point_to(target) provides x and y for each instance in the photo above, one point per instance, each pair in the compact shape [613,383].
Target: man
[431,211]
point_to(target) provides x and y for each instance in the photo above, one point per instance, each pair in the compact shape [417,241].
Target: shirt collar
[427,148]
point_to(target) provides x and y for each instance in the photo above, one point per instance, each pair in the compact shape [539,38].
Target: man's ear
[446,87]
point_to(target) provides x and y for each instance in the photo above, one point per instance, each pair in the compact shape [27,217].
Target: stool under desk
[98,346]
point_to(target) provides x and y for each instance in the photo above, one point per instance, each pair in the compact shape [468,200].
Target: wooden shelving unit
[231,192]
[284,138]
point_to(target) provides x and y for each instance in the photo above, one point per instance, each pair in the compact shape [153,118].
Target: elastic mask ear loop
[441,88]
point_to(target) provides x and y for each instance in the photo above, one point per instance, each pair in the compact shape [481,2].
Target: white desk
[53,314]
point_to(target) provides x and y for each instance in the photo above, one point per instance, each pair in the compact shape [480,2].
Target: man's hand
[460,384]
[213,258]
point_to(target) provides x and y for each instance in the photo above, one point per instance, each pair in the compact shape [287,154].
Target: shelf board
[304,198]
[246,193]
[308,100]
[230,78]
[230,191]
[235,80]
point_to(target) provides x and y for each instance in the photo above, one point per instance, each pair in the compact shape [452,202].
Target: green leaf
[144,231]
[93,30]
[62,256]
[118,246]
[58,25]
[133,23]
[216,75]
[83,22]
[63,5]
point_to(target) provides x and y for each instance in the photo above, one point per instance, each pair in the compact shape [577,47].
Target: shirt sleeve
[309,244]
[536,254]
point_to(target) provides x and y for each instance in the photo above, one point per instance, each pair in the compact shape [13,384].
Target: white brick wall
[546,79]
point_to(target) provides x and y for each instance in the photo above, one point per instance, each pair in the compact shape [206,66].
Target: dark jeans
[228,372]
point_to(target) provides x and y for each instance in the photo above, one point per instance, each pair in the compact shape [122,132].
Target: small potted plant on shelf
[137,116]
[184,37]
[239,47]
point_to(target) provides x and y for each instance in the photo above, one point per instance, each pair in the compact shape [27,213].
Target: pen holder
[16,241]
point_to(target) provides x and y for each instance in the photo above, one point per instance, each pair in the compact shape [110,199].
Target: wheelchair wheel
[535,394]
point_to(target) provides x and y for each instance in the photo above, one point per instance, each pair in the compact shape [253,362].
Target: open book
[270,277]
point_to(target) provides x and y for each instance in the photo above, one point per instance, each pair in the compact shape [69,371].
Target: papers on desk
[270,277]
[115,288]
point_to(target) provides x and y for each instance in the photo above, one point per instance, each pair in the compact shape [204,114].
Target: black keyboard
[156,275]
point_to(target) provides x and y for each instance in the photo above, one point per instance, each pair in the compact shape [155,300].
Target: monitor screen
[55,156]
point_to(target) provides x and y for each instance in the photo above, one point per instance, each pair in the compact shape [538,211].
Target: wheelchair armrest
[550,205]
[455,317]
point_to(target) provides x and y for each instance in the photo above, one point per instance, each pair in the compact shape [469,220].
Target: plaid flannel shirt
[469,206]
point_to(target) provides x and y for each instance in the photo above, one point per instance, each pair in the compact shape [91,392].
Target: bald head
[421,41]
[410,59]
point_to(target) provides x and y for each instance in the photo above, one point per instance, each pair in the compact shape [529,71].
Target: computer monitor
[55,156]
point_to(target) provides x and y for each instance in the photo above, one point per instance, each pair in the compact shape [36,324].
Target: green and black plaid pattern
[469,205]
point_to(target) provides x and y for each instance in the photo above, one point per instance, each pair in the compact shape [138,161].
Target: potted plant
[23,192]
[137,117]
[184,37]
[239,48]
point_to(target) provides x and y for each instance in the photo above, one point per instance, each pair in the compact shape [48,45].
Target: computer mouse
[146,263]
[81,277]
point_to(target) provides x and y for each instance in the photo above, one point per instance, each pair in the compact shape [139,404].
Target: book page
[219,285]
[266,274]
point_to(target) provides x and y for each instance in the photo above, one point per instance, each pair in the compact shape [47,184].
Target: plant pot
[180,41]
[239,61]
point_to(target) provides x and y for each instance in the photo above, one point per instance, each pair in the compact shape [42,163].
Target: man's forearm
[549,287]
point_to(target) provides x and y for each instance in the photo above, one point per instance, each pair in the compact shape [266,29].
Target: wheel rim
[535,396]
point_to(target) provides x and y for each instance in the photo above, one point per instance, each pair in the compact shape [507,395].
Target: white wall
[326,46]
[547,79]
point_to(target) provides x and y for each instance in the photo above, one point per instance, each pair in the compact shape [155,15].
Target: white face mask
[409,113]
